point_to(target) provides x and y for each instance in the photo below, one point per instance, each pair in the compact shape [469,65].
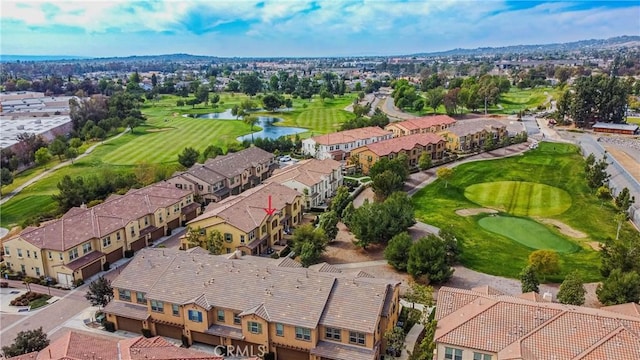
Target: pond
[269,131]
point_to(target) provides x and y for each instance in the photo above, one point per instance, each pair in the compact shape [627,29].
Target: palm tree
[251,121]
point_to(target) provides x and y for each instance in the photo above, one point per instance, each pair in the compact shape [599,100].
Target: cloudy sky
[101,28]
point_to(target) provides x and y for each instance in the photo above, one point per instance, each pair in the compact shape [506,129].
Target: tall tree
[427,261]
[188,157]
[26,342]
[619,288]
[386,183]
[329,224]
[445,174]
[529,280]
[57,147]
[572,290]
[100,292]
[624,200]
[340,200]
[6,176]
[545,262]
[250,84]
[309,244]
[397,251]
[43,156]
[435,98]
[424,161]
[214,242]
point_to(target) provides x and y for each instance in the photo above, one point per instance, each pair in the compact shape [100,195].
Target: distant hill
[15,58]
[614,42]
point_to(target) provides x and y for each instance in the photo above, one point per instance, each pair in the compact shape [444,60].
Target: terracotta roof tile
[233,164]
[631,309]
[308,172]
[406,143]
[346,136]
[425,122]
[472,126]
[332,350]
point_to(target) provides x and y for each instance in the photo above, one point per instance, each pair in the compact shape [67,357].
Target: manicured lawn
[520,197]
[556,165]
[517,99]
[528,233]
[633,120]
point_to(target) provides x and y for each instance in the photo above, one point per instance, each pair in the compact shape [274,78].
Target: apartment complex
[226,175]
[421,125]
[251,222]
[84,240]
[338,145]
[411,145]
[83,345]
[316,179]
[254,302]
[484,324]
[473,134]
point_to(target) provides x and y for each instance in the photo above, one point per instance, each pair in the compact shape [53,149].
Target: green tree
[75,142]
[545,262]
[272,102]
[202,94]
[597,175]
[6,176]
[71,153]
[340,200]
[329,224]
[419,294]
[193,237]
[385,184]
[621,253]
[424,161]
[604,194]
[214,242]
[100,292]
[251,121]
[188,157]
[572,290]
[211,152]
[624,200]
[397,251]
[26,342]
[398,166]
[43,156]
[435,98]
[529,280]
[250,84]
[309,244]
[57,147]
[132,122]
[620,218]
[427,261]
[445,174]
[619,288]
[366,224]
[395,339]
[451,244]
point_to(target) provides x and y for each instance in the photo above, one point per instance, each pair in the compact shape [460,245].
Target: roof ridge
[598,343]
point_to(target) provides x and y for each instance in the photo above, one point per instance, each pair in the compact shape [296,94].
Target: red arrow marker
[269,210]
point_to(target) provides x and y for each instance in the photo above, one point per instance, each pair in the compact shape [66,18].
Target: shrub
[78,282]
[109,326]
[146,333]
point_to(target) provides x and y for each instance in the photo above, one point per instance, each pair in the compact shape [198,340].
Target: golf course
[538,200]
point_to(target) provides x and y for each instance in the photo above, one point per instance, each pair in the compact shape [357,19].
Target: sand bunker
[475,211]
[563,228]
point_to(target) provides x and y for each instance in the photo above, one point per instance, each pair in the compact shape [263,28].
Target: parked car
[285,158]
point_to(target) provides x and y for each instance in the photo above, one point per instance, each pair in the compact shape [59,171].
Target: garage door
[138,244]
[157,233]
[91,269]
[246,347]
[65,279]
[205,338]
[134,326]
[173,224]
[114,256]
[168,331]
[290,354]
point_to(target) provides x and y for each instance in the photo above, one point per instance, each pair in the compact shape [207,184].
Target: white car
[285,158]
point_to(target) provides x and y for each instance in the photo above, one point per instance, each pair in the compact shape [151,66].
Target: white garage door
[65,279]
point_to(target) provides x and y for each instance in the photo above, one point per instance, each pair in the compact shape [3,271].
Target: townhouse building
[226,175]
[251,222]
[316,179]
[338,145]
[484,324]
[425,124]
[85,240]
[411,145]
[255,303]
[472,135]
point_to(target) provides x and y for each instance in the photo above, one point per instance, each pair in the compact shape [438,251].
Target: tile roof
[631,309]
[77,345]
[472,126]
[425,122]
[233,164]
[308,172]
[246,210]
[333,350]
[295,296]
[128,310]
[141,348]
[87,259]
[79,224]
[347,136]
[515,328]
[406,143]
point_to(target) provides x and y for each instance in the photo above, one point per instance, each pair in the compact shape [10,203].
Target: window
[118,233]
[23,269]
[332,333]
[85,248]
[236,319]
[274,224]
[195,315]
[175,310]
[146,220]
[160,218]
[140,299]
[203,231]
[28,253]
[35,255]
[61,257]
[303,333]
[452,354]
[357,338]
[279,329]
[254,327]
[124,294]
[19,252]
[37,271]
[481,356]
[220,315]
[157,306]
[264,229]
[73,253]
[252,235]
[106,242]
[228,237]
[242,239]
[176,208]
[6,251]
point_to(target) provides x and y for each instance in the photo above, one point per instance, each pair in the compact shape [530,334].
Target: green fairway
[528,233]
[552,166]
[520,198]
[633,120]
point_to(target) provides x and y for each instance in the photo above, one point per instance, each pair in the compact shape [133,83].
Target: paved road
[15,192]
[394,114]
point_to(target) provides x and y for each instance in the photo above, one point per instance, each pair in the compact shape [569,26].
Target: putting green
[527,232]
[520,198]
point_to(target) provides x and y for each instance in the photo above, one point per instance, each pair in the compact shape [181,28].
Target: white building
[338,145]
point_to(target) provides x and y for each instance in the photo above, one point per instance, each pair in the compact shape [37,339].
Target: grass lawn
[633,120]
[39,302]
[520,197]
[556,165]
[527,232]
